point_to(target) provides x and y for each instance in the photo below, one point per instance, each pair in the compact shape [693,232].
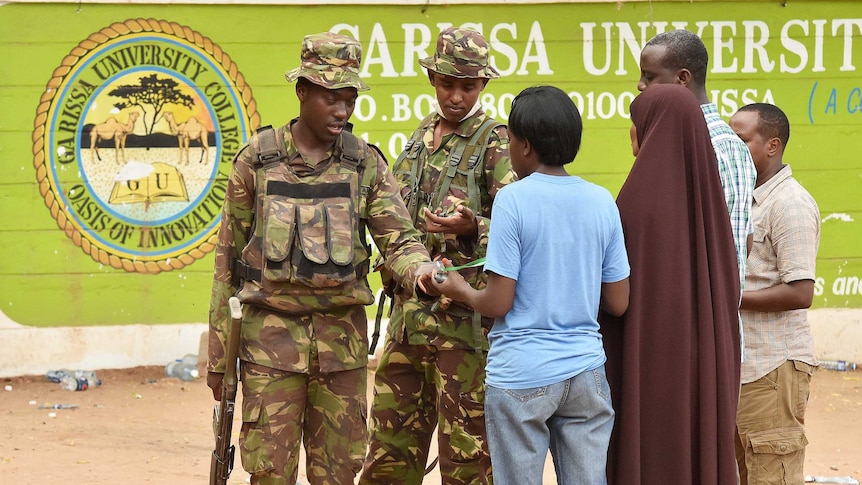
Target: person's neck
[447,126]
[554,170]
[700,94]
[308,142]
[443,128]
[772,168]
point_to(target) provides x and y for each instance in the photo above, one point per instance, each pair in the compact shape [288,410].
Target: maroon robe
[674,357]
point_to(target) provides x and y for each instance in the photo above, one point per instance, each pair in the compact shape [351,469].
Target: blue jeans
[572,418]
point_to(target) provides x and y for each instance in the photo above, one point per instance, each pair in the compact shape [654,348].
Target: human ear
[773,147]
[683,76]
[528,148]
[300,91]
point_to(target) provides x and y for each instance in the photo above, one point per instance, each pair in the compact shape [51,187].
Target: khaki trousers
[770,440]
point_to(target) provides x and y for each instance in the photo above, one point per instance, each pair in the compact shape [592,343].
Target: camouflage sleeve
[392,229]
[233,235]
[498,173]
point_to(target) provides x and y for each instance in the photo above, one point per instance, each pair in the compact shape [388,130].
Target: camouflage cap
[461,53]
[329,60]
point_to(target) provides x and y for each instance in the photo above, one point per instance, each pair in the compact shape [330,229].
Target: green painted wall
[806,57]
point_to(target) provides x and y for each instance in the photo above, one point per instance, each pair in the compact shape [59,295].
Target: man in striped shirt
[679,57]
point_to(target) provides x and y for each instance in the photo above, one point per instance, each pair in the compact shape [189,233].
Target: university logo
[134,140]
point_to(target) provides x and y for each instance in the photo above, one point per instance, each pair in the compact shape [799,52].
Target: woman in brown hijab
[674,357]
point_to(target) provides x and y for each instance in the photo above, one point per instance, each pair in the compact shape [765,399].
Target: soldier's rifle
[221,463]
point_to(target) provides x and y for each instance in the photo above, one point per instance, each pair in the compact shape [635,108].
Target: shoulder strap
[368,174]
[475,162]
[269,146]
[350,156]
[412,147]
[354,157]
[471,154]
[412,151]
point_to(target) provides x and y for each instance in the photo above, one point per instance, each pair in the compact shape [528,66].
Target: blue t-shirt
[560,238]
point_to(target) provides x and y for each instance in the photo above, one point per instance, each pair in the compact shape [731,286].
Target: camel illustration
[112,129]
[185,133]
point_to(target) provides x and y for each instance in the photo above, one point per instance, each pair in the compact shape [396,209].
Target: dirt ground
[140,427]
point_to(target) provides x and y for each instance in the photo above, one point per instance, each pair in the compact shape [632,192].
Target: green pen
[440,276]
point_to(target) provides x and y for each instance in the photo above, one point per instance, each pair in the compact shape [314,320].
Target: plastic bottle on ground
[839,365]
[72,383]
[90,375]
[182,370]
[58,406]
[57,375]
[846,479]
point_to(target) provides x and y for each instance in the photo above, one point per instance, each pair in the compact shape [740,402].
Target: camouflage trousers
[326,411]
[418,388]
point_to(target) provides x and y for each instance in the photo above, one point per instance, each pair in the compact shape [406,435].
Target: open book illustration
[145,183]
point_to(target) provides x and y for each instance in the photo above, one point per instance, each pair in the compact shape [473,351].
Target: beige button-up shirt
[786,238]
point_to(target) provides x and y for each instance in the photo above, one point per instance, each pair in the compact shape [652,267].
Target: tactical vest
[308,250]
[464,169]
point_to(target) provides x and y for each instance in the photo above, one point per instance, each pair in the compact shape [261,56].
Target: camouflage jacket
[268,231]
[419,320]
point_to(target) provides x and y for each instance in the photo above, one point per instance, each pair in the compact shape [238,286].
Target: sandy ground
[140,427]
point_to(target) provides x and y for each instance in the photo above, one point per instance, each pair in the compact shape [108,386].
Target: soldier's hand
[424,272]
[453,285]
[462,222]
[214,382]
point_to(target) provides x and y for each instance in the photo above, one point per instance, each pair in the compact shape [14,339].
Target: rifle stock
[221,463]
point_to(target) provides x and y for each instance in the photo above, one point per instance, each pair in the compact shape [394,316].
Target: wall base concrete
[33,351]
[837,334]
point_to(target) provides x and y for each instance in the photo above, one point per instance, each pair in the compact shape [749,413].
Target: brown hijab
[674,357]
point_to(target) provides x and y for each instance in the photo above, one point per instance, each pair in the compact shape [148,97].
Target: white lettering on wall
[378,53]
[719,44]
[415,49]
[419,43]
[818,45]
[735,47]
[747,46]
[589,48]
[756,38]
[536,40]
[730,100]
[846,285]
[627,38]
[501,49]
[847,25]
[794,46]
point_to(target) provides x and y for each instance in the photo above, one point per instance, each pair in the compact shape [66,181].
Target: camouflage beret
[329,60]
[461,53]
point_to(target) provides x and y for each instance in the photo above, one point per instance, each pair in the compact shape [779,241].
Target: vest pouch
[323,256]
[278,238]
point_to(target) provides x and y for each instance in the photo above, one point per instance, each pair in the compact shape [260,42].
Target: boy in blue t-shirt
[556,253]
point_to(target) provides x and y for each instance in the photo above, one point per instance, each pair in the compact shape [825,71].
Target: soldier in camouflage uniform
[292,247]
[431,373]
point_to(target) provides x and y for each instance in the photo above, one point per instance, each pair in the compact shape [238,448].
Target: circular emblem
[134,139]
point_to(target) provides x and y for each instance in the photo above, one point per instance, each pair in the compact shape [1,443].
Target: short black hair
[547,118]
[773,123]
[685,50]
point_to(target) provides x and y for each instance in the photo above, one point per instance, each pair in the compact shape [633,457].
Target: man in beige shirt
[779,287]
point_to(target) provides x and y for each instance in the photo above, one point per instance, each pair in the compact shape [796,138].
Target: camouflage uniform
[431,373]
[304,337]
